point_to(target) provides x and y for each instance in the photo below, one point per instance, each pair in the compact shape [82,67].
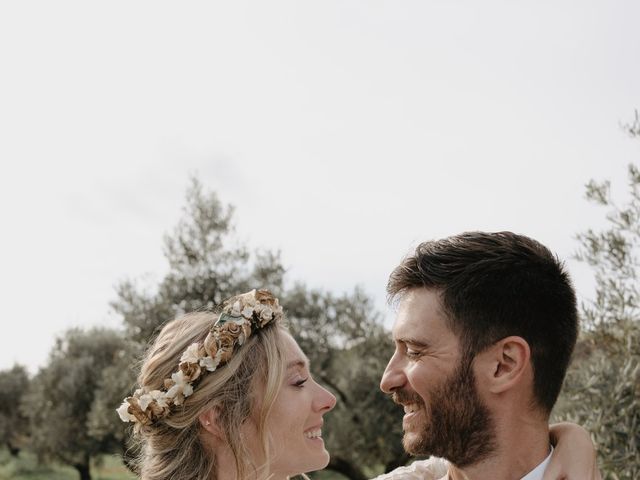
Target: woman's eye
[301,382]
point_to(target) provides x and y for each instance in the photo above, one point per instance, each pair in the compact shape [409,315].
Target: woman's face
[295,422]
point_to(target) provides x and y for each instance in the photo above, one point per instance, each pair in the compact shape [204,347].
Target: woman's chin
[322,462]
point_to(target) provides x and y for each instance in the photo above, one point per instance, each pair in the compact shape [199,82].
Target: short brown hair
[493,285]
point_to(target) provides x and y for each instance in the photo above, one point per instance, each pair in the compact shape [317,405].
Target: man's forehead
[419,317]
[410,331]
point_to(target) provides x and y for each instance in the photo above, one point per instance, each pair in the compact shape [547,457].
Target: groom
[485,329]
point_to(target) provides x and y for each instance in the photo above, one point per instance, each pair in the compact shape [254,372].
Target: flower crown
[240,317]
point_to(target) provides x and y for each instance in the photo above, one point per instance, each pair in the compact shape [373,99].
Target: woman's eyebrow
[299,362]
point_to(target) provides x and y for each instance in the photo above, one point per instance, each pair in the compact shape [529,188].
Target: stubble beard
[457,426]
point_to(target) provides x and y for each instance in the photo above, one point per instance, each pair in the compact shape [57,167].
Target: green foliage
[114,383]
[602,391]
[13,424]
[62,398]
[206,265]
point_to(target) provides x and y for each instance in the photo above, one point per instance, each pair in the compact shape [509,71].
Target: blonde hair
[174,447]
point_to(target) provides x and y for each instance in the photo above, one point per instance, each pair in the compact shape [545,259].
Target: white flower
[235,310]
[123,411]
[190,355]
[160,397]
[153,396]
[210,363]
[250,298]
[267,313]
[180,387]
[187,390]
[144,401]
[247,312]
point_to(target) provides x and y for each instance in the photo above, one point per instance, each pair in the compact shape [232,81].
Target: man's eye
[413,353]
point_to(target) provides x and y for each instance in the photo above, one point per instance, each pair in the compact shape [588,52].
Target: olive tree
[207,264]
[14,383]
[602,390]
[63,394]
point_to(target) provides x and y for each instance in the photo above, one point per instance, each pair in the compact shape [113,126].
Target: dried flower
[234,326]
[191,371]
[191,354]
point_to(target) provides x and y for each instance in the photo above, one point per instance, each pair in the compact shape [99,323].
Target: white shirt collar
[538,472]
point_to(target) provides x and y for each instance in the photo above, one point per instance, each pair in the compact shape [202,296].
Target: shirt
[538,472]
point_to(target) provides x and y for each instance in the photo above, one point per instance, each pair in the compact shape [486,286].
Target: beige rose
[265,296]
[225,340]
[246,329]
[136,411]
[232,328]
[157,411]
[226,354]
[211,345]
[266,316]
[191,371]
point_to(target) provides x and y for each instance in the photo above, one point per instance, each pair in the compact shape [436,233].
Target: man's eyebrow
[412,341]
[298,362]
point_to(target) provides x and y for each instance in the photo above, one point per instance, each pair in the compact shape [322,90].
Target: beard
[458,426]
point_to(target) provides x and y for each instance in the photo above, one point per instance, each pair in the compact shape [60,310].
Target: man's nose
[393,376]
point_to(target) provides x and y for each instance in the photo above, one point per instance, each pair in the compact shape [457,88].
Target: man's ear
[504,364]
[209,421]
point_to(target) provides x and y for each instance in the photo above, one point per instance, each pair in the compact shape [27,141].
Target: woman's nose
[325,400]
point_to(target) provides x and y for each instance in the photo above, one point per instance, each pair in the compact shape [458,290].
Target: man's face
[429,376]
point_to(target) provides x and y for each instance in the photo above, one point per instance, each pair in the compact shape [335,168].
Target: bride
[230,396]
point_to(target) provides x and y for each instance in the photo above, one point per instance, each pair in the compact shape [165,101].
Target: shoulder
[431,469]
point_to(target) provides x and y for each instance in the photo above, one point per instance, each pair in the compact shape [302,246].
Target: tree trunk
[14,451]
[347,469]
[83,470]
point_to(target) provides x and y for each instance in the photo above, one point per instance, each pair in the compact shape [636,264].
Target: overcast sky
[344,132]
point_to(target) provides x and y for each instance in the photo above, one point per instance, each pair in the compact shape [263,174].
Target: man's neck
[519,450]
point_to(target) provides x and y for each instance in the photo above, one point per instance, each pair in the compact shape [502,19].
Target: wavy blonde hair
[174,447]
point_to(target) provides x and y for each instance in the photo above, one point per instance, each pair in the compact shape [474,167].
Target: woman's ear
[504,364]
[209,421]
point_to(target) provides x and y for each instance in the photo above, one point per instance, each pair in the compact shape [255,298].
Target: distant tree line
[66,412]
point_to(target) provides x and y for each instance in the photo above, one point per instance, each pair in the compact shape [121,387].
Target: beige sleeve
[431,469]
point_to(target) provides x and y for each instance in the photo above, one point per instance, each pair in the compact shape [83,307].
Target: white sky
[344,132]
